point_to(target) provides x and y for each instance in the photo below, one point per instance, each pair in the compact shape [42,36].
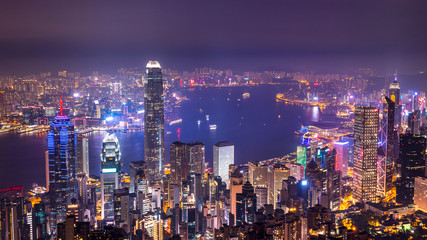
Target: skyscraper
[394,95]
[154,146]
[302,155]
[186,159]
[365,154]
[110,169]
[342,156]
[412,164]
[83,155]
[196,161]
[61,144]
[179,162]
[386,168]
[223,156]
[246,203]
[136,168]
[414,120]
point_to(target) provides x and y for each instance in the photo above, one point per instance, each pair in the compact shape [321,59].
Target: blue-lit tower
[61,142]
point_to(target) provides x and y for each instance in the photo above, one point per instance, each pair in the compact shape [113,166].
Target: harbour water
[258,126]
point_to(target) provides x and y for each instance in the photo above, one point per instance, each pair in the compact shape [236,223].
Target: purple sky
[318,35]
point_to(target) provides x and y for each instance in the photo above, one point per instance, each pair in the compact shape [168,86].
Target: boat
[175,122]
[198,122]
[207,117]
[246,95]
[212,127]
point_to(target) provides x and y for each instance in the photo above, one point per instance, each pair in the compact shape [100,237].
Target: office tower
[302,156]
[296,170]
[223,156]
[110,169]
[39,221]
[74,209]
[342,156]
[82,180]
[350,140]
[386,167]
[196,160]
[135,168]
[61,144]
[365,154]
[9,220]
[236,184]
[258,174]
[277,173]
[420,193]
[394,95]
[82,155]
[331,195]
[66,228]
[154,128]
[411,164]
[261,196]
[246,205]
[414,122]
[179,162]
[122,217]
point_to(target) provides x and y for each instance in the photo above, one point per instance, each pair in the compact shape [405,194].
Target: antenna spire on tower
[395,75]
[61,104]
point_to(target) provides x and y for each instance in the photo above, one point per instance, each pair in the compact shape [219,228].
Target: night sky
[295,35]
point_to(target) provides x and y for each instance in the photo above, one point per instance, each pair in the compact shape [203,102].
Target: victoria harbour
[256,123]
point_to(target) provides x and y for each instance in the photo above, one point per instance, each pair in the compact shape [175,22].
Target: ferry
[212,127]
[207,117]
[175,122]
[198,122]
[246,95]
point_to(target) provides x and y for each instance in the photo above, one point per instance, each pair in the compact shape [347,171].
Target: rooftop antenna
[395,75]
[61,103]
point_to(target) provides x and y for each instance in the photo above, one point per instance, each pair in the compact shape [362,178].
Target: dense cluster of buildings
[365,185]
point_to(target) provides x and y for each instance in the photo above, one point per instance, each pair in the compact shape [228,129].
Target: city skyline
[214,120]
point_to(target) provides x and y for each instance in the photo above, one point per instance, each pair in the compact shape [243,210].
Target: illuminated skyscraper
[154,146]
[196,161]
[412,164]
[83,155]
[420,193]
[302,155]
[179,162]
[342,157]
[365,154]
[394,95]
[110,169]
[61,144]
[246,203]
[386,167]
[258,174]
[223,156]
[186,159]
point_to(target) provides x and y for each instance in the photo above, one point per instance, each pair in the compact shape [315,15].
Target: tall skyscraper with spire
[61,144]
[394,95]
[154,128]
[110,169]
[386,153]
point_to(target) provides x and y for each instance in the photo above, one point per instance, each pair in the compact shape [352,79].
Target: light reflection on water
[252,125]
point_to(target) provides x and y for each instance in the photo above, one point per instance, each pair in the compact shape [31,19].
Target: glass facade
[154,123]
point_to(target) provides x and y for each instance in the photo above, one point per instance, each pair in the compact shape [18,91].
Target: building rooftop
[223,144]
